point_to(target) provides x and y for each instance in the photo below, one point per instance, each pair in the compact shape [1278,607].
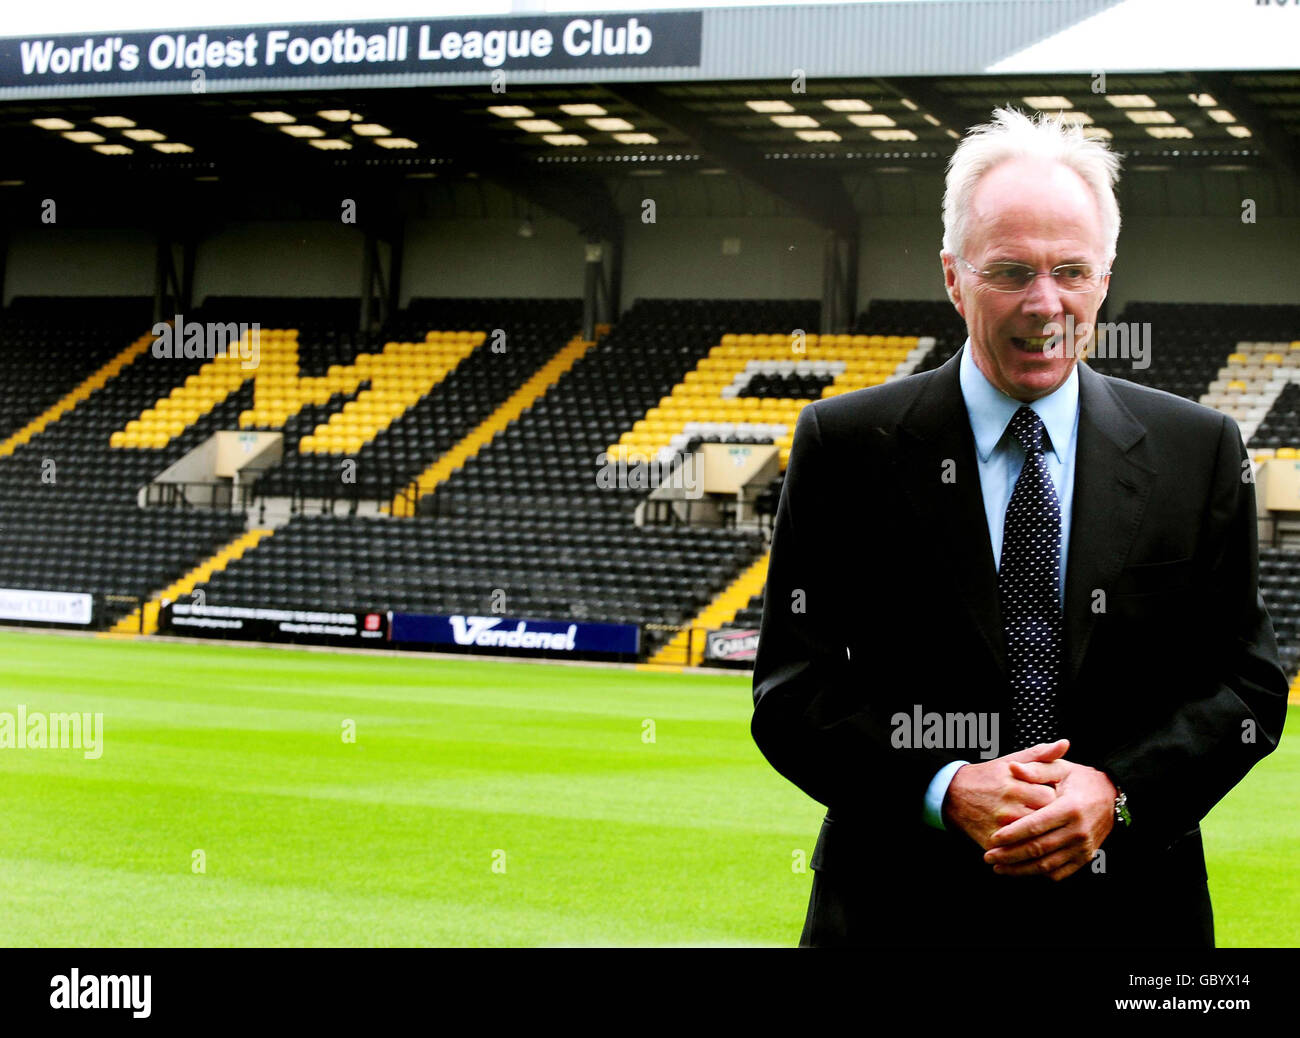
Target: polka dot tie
[1029,592]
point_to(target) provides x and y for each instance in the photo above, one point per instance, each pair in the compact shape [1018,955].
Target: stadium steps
[524,397]
[71,399]
[235,549]
[721,610]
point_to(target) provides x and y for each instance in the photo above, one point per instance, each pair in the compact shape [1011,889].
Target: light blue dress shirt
[1000,459]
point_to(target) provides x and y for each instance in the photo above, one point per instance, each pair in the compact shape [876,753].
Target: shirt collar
[991,410]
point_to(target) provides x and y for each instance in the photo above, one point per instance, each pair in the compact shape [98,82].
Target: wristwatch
[1121,809]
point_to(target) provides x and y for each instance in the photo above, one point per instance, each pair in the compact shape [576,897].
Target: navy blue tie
[1029,590]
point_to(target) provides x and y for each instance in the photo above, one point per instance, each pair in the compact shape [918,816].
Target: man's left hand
[1059,839]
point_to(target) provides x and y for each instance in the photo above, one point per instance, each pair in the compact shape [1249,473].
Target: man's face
[1041,214]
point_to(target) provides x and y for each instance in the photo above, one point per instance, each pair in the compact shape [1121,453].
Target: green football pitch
[256,796]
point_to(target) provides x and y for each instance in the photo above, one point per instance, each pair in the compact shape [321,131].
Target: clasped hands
[1033,812]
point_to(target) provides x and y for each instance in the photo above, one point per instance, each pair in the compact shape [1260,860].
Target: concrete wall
[488,257]
[54,261]
[1165,258]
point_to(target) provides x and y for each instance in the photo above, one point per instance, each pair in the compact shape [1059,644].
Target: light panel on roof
[142,134]
[273,118]
[582,110]
[610,125]
[112,149]
[817,136]
[564,140]
[54,123]
[172,147]
[511,111]
[795,122]
[768,107]
[1150,118]
[1048,102]
[1238,131]
[83,137]
[1221,115]
[1202,100]
[297,130]
[1130,100]
[893,135]
[874,119]
[847,104]
[330,144]
[1099,133]
[539,126]
[636,138]
[1169,132]
[395,142]
[371,130]
[338,115]
[113,122]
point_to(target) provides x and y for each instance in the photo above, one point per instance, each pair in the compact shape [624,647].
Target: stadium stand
[525,513]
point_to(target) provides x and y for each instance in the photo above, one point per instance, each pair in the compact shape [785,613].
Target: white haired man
[1027,652]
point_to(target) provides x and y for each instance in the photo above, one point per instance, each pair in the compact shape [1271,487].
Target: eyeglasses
[1016,277]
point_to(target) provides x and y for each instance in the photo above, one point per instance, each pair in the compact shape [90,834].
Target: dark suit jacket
[882,595]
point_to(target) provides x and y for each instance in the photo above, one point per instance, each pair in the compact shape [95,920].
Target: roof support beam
[816,196]
[1275,142]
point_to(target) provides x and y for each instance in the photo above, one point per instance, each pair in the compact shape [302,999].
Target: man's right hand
[982,798]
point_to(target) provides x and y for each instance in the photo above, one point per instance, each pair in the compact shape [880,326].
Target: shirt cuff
[937,790]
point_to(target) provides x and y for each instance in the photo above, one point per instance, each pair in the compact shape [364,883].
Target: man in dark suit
[1013,638]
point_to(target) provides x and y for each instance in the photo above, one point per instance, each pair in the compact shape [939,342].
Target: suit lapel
[937,467]
[1111,490]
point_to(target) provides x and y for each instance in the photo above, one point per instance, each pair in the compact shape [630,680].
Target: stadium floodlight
[395,142]
[113,149]
[273,118]
[1131,100]
[113,122]
[1239,131]
[1222,115]
[144,135]
[818,136]
[636,138]
[1169,132]
[371,130]
[1145,118]
[795,122]
[539,126]
[564,140]
[876,119]
[767,107]
[330,144]
[172,147]
[54,123]
[583,110]
[300,130]
[511,111]
[1048,102]
[847,104]
[893,135]
[84,137]
[610,125]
